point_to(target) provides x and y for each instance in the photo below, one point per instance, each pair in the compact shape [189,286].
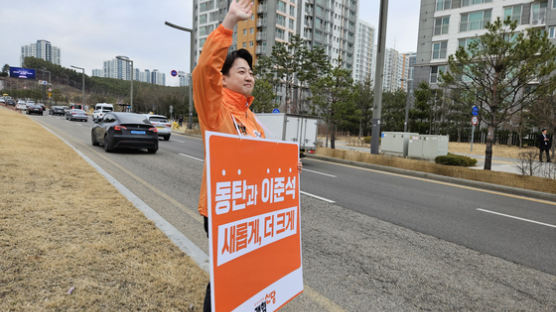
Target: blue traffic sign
[275,111]
[174,73]
[475,110]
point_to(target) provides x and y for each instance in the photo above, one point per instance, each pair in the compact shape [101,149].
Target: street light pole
[407,102]
[377,110]
[190,119]
[131,91]
[82,83]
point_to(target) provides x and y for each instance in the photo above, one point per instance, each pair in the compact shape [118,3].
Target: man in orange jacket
[222,87]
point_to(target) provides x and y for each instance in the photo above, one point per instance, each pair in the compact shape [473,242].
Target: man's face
[544,132]
[240,78]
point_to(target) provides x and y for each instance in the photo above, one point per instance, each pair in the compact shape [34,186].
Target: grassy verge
[501,178]
[70,241]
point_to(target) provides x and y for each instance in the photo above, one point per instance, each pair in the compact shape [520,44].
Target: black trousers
[547,154]
[207,304]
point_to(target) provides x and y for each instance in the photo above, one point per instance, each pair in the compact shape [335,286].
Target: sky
[89,32]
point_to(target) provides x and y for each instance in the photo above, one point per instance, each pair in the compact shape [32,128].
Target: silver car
[162,124]
[77,114]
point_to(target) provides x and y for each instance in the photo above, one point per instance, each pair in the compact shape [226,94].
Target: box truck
[289,127]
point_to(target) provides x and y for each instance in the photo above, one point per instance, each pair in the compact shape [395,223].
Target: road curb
[437,177]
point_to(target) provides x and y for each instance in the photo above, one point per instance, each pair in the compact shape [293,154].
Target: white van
[101,109]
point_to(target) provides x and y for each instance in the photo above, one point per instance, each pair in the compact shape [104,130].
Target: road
[372,241]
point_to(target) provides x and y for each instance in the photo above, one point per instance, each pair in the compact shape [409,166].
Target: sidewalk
[500,164]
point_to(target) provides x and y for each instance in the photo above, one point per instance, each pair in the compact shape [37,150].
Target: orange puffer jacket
[215,104]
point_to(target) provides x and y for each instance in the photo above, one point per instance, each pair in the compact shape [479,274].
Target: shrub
[367,139]
[455,160]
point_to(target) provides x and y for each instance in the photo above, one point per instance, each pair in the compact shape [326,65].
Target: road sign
[475,110]
[254,225]
[43,82]
[474,120]
[174,73]
[275,111]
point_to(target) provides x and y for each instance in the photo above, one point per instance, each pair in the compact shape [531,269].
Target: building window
[514,13]
[441,25]
[244,32]
[281,6]
[439,50]
[443,5]
[466,41]
[244,45]
[474,20]
[471,2]
[292,24]
[554,4]
[292,10]
[251,43]
[205,6]
[435,73]
[203,19]
[280,33]
[538,13]
[552,31]
[280,20]
[251,30]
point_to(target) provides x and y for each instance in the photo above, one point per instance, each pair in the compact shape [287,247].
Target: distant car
[58,110]
[2,100]
[10,102]
[101,109]
[21,105]
[30,102]
[34,109]
[76,114]
[129,130]
[42,106]
[76,106]
[162,124]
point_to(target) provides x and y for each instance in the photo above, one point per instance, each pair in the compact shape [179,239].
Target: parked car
[163,126]
[129,130]
[21,105]
[30,102]
[43,107]
[10,102]
[76,114]
[34,109]
[57,110]
[2,100]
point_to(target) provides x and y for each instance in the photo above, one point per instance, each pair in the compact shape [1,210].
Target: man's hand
[240,10]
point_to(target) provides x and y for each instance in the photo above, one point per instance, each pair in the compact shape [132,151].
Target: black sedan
[126,130]
[34,109]
[57,110]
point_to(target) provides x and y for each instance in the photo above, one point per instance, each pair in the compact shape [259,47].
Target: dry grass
[498,150]
[63,226]
[501,178]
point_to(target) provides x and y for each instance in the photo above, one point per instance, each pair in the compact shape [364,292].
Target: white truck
[289,127]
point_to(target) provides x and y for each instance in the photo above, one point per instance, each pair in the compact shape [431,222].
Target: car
[101,109]
[42,106]
[10,102]
[2,100]
[34,109]
[162,124]
[58,110]
[30,102]
[77,114]
[125,130]
[21,105]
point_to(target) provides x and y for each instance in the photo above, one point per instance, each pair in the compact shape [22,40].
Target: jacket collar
[236,101]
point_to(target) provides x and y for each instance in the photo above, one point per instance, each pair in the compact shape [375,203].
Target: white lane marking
[517,218]
[185,155]
[318,172]
[317,197]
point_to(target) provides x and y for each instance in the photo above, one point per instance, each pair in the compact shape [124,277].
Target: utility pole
[377,110]
[190,31]
[82,84]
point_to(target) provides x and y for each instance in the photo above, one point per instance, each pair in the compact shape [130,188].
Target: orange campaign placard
[254,222]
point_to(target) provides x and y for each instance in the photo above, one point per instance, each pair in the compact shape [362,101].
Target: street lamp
[190,119]
[82,83]
[131,91]
[44,70]
[407,102]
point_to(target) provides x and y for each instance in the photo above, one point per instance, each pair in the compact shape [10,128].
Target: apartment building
[42,49]
[445,25]
[363,68]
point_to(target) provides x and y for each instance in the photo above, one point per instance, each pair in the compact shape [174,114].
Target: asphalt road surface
[372,241]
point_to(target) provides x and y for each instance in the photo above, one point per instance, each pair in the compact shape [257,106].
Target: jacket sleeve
[207,79]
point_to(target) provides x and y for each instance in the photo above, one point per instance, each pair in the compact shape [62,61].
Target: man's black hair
[543,129]
[241,53]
